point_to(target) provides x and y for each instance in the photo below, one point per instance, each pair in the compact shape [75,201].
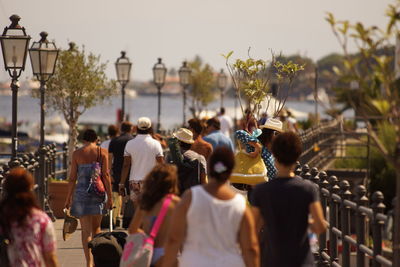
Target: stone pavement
[70,252]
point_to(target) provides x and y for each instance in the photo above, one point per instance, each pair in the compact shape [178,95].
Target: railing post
[323,184]
[362,200]
[378,225]
[333,218]
[305,169]
[345,194]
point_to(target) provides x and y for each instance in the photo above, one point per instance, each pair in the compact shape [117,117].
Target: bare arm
[50,259]
[259,222]
[106,177]
[136,221]
[177,231]
[71,181]
[248,240]
[257,149]
[317,224]
[124,173]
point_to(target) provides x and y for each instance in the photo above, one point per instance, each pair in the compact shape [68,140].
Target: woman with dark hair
[87,206]
[160,183]
[29,230]
[212,223]
[282,207]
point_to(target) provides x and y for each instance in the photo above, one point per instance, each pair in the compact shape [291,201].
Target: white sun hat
[273,124]
[184,135]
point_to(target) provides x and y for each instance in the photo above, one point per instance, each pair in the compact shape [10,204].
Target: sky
[177,30]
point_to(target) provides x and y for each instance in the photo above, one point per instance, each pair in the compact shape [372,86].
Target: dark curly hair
[287,148]
[19,200]
[162,180]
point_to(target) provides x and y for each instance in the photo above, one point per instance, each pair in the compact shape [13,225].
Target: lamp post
[159,73]
[123,67]
[221,81]
[14,45]
[184,80]
[43,56]
[316,95]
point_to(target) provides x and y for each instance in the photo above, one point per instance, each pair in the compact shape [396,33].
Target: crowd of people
[209,221]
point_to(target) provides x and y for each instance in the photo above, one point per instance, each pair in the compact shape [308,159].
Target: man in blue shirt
[215,137]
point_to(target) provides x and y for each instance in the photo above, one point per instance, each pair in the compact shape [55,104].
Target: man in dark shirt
[116,156]
[282,207]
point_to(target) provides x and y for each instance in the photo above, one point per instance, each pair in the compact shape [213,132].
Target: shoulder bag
[138,249]
[96,185]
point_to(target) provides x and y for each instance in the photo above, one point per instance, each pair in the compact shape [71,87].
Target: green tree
[202,85]
[377,92]
[79,83]
[252,80]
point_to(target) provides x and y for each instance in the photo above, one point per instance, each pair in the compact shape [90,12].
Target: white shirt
[143,150]
[212,231]
[226,124]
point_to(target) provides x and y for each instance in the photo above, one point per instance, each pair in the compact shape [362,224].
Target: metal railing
[55,167]
[352,219]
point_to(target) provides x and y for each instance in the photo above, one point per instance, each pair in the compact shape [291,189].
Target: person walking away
[140,156]
[29,229]
[159,184]
[192,167]
[213,224]
[116,159]
[282,207]
[112,133]
[226,123]
[88,207]
[199,146]
[214,135]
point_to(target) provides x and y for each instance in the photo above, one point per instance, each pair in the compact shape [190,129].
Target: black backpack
[188,174]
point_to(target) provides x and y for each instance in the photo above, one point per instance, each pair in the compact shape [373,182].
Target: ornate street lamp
[221,82]
[14,45]
[43,56]
[123,67]
[159,73]
[184,80]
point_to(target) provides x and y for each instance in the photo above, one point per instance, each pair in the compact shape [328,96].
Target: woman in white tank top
[213,223]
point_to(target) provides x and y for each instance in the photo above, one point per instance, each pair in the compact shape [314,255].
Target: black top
[117,148]
[284,205]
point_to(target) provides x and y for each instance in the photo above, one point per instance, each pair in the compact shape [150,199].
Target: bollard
[345,211]
[362,200]
[377,225]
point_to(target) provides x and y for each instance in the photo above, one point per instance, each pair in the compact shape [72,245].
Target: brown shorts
[135,188]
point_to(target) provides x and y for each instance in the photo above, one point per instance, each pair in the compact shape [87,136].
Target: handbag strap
[160,217]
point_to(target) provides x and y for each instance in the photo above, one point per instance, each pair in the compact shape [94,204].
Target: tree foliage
[202,85]
[252,79]
[79,83]
[376,98]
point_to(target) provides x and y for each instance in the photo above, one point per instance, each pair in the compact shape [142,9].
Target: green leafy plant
[252,80]
[79,83]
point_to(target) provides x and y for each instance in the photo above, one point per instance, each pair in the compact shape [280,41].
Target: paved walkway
[70,252]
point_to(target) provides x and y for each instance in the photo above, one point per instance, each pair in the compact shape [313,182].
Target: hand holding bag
[138,249]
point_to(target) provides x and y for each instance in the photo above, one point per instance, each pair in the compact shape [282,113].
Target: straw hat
[184,135]
[273,124]
[70,224]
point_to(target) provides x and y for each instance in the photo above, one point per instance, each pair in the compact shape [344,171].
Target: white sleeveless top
[212,231]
